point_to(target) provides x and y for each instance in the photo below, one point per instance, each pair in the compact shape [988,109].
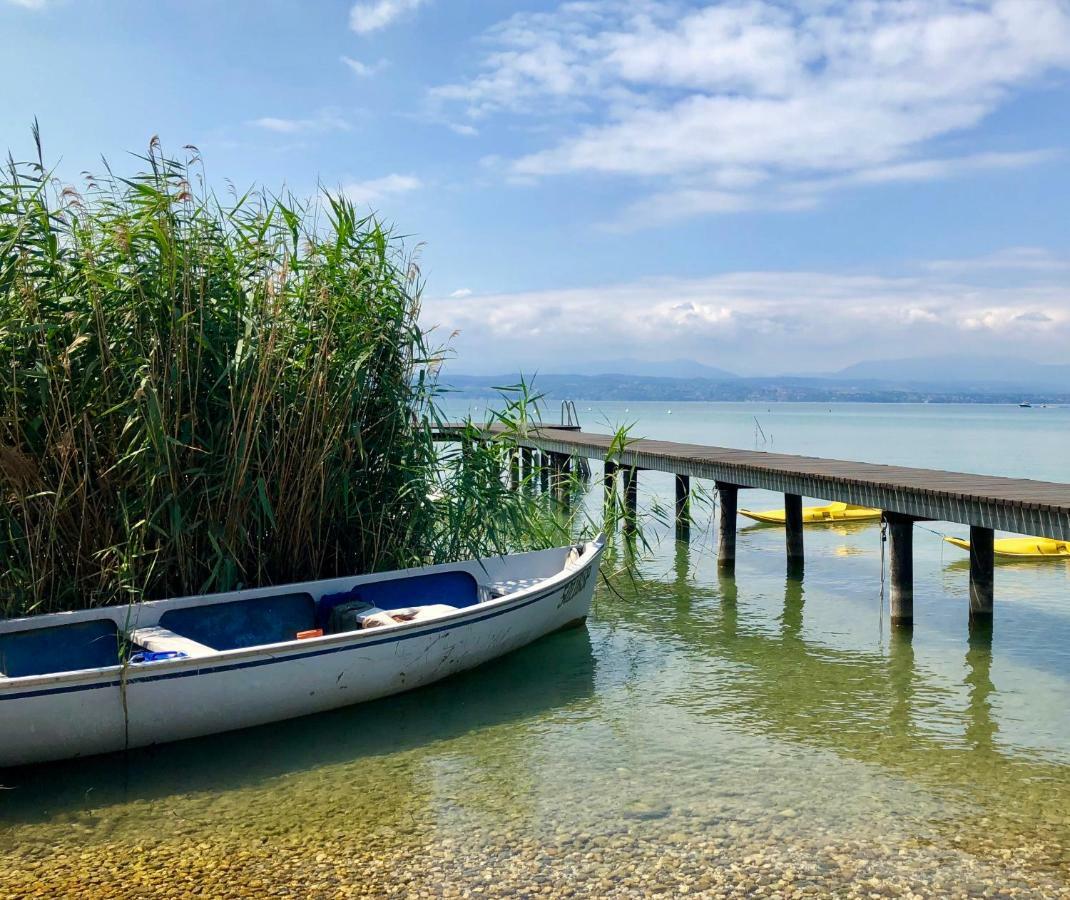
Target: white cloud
[799,321]
[371,15]
[325,120]
[461,293]
[29,4]
[1037,259]
[377,189]
[812,93]
[363,69]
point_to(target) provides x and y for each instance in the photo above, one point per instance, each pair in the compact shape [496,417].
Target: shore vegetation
[200,393]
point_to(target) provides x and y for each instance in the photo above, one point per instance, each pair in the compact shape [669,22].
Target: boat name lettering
[574,587]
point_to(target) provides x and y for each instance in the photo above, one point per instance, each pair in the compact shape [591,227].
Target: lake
[704,734]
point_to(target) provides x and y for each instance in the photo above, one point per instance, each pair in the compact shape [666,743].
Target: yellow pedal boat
[817,515]
[1023,547]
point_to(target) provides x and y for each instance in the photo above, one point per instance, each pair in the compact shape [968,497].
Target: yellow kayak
[816,515]
[1031,547]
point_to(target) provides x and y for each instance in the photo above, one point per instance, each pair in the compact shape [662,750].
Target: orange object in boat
[311,633]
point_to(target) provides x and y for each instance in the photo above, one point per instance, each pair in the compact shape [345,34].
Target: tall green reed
[198,394]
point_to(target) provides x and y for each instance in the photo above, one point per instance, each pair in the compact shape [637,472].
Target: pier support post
[631,496]
[609,481]
[901,568]
[728,497]
[793,532]
[982,568]
[564,478]
[527,459]
[683,503]
[514,469]
[544,471]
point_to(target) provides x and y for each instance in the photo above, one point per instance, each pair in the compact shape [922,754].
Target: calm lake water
[703,734]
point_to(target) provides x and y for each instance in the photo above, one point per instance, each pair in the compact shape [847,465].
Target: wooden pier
[906,495]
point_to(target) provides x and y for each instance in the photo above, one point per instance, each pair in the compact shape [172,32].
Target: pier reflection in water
[720,731]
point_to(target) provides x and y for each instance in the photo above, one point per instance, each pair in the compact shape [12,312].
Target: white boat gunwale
[14,688]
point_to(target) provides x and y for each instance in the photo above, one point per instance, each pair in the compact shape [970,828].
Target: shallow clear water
[754,734]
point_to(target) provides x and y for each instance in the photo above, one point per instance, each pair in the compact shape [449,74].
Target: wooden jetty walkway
[905,495]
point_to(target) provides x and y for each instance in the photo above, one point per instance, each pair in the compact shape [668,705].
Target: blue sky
[763,185]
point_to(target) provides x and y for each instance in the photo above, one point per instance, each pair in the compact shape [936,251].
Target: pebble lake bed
[704,735]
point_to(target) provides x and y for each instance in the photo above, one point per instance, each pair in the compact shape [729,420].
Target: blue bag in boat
[151,656]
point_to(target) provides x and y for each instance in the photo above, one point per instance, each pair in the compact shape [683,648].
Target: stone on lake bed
[645,811]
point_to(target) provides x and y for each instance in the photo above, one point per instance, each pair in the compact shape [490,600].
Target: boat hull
[816,515]
[1022,548]
[88,713]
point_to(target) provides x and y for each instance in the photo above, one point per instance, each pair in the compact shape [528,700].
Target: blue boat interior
[59,648]
[459,589]
[226,625]
[235,624]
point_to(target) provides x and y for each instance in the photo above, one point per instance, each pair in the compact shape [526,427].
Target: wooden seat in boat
[162,640]
[457,589]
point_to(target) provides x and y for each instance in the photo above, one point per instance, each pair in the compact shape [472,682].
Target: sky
[765,186]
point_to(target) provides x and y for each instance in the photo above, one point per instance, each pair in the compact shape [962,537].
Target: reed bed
[198,395]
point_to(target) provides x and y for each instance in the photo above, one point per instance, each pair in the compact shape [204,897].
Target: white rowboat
[115,678]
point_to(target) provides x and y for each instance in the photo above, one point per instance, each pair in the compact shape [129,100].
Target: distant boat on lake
[1025,404]
[101,680]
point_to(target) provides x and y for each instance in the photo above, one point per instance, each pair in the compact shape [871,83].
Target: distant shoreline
[979,401]
[743,390]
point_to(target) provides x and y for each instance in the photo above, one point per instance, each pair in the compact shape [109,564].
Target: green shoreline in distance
[803,390]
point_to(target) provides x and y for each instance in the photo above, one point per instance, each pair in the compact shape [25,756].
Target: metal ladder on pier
[570,421]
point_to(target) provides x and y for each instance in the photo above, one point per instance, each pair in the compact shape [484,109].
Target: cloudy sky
[762,185]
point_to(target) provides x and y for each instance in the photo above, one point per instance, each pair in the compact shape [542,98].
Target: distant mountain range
[980,374]
[937,380]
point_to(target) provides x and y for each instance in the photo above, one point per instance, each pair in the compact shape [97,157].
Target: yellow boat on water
[817,515]
[1023,547]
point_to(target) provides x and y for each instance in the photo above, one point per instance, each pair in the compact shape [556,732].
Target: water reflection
[513,690]
[901,674]
[878,706]
[791,619]
[981,727]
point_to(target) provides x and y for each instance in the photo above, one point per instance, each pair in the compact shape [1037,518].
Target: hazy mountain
[818,390]
[936,379]
[960,371]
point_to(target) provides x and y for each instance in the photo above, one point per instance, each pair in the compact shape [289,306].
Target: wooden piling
[609,481]
[728,497]
[562,470]
[901,568]
[631,494]
[793,532]
[982,570]
[683,502]
[544,471]
[514,469]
